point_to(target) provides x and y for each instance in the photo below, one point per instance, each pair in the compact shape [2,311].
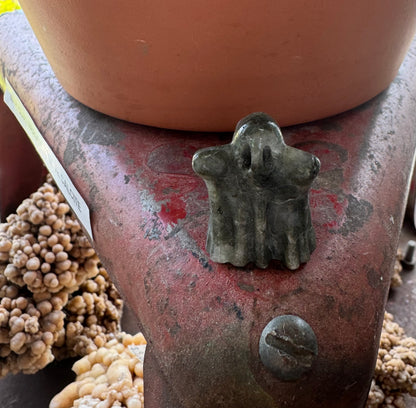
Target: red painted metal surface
[17,181]
[203,320]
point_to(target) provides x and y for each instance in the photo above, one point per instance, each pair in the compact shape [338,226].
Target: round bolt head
[288,347]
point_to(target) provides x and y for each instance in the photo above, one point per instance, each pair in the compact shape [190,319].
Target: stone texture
[259,196]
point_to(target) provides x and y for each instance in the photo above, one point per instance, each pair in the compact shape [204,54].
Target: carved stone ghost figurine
[258,191]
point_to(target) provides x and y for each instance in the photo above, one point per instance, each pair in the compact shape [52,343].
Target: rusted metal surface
[21,169]
[203,321]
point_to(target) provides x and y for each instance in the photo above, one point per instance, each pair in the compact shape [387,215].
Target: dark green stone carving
[259,196]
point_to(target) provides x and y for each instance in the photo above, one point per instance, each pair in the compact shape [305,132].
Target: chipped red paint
[203,320]
[172,212]
[334,208]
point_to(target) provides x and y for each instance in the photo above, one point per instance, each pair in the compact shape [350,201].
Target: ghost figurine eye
[267,158]
[264,193]
[246,157]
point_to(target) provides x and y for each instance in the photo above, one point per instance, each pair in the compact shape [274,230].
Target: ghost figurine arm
[211,161]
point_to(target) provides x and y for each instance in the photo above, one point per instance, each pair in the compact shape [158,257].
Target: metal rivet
[288,347]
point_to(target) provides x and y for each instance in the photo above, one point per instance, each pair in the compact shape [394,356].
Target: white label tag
[138,351]
[71,194]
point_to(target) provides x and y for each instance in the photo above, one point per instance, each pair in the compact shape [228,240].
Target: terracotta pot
[203,65]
